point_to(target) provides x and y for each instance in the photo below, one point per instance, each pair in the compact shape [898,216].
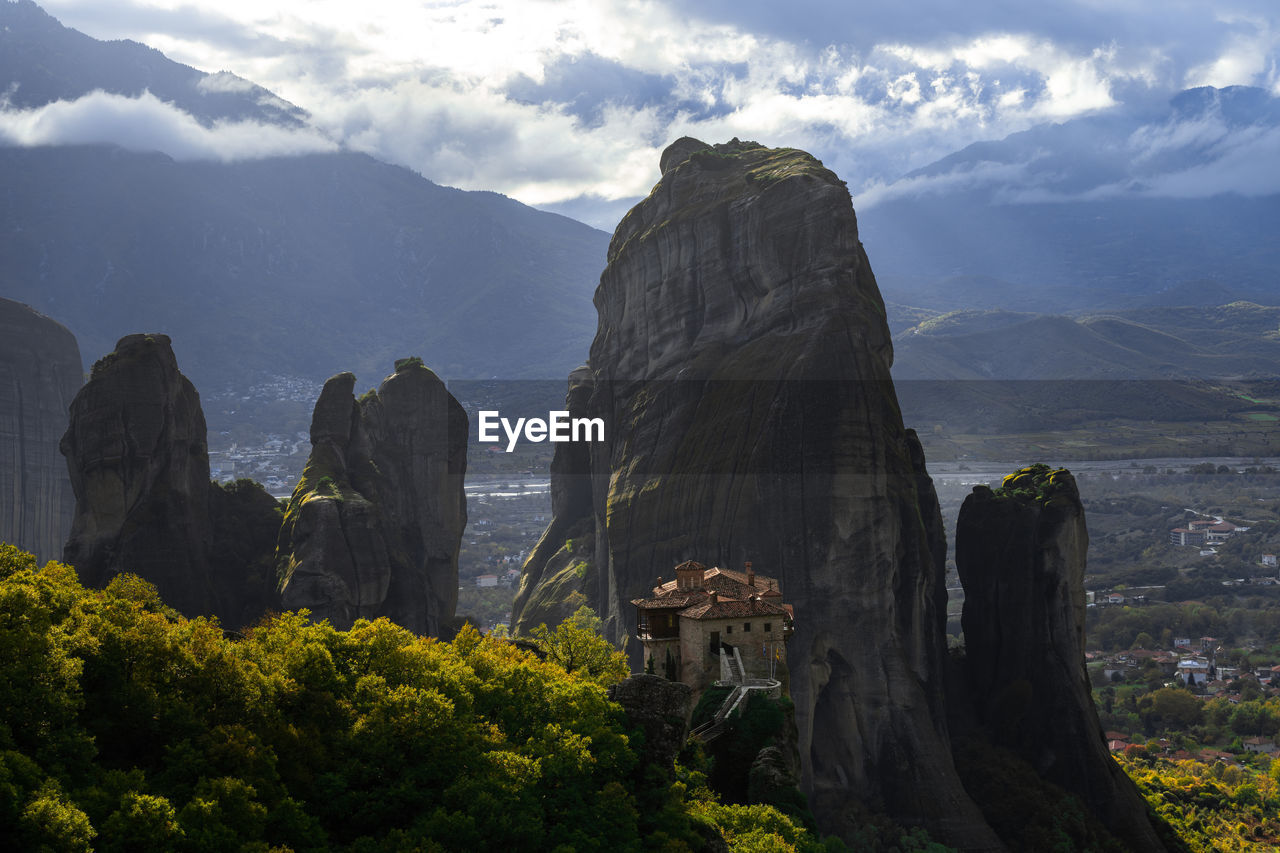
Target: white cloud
[146,123]
[224,81]
[1242,163]
[984,174]
[1247,56]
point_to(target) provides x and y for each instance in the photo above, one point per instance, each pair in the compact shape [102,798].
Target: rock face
[660,708]
[40,372]
[138,457]
[741,365]
[374,525]
[1020,552]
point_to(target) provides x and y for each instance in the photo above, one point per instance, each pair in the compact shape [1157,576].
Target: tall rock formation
[374,525]
[40,372]
[741,365]
[1021,552]
[138,457]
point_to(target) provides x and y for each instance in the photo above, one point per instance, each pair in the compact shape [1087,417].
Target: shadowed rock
[741,365]
[1021,552]
[40,372]
[374,525]
[659,708]
[139,463]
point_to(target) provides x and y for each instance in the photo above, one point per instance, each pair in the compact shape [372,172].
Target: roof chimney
[713,596]
[751,575]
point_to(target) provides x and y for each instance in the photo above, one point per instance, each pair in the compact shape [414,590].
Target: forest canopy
[125,727]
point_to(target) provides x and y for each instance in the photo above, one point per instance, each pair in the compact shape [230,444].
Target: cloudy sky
[566,104]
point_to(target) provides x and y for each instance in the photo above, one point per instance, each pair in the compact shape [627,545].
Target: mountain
[42,61]
[1174,206]
[40,372]
[302,265]
[741,367]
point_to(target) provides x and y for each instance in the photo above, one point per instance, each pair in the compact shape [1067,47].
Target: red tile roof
[731,588]
[732,610]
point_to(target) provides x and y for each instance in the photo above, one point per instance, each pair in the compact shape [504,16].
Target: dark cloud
[586,85]
[117,20]
[1191,30]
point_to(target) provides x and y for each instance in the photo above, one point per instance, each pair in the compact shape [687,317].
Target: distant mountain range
[1113,211]
[300,265]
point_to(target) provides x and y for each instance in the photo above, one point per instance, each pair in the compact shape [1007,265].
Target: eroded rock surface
[40,372]
[1021,553]
[741,364]
[660,708]
[138,457]
[374,525]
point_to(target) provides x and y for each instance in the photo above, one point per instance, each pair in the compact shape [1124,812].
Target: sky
[567,104]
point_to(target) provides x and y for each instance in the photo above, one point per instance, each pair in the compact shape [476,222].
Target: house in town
[1259,744]
[1194,670]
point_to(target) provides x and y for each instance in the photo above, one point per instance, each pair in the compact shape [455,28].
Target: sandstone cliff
[40,372]
[1021,552]
[741,364]
[374,525]
[138,457]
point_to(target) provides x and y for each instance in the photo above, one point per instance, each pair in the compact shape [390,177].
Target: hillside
[1171,381]
[1226,341]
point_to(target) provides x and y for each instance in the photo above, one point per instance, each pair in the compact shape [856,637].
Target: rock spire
[1020,552]
[741,364]
[138,457]
[374,526]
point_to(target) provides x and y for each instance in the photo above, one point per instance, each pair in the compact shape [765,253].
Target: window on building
[768,626]
[715,642]
[728,629]
[746,626]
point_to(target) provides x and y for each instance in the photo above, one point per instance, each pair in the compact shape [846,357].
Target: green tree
[1176,707]
[577,646]
[53,824]
[143,822]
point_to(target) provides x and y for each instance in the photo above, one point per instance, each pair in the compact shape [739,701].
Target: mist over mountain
[1121,209]
[259,264]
